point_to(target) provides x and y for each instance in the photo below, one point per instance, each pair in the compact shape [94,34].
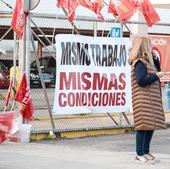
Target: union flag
[124,9]
[23,98]
[18,20]
[70,6]
[149,13]
[95,6]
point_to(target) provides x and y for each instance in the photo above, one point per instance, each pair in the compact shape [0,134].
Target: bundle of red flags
[123,10]
[23,98]
[6,124]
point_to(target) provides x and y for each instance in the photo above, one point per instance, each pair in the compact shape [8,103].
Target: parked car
[48,63]
[3,82]
[35,78]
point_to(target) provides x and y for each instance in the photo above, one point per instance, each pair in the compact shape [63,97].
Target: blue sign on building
[116,32]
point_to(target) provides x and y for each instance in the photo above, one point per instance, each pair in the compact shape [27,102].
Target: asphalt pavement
[101,152]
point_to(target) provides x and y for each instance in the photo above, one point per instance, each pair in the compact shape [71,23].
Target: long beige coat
[147,102]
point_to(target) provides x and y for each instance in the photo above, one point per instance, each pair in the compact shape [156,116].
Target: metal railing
[45,27]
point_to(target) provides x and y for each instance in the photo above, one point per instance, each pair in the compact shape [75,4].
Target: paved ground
[102,152]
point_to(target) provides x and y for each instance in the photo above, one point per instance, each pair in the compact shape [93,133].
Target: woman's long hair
[141,49]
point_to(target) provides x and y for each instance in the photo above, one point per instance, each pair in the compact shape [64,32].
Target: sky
[49,7]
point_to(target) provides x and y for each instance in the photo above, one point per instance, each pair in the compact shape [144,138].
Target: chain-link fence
[50,26]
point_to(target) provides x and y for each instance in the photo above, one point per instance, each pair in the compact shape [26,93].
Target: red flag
[6,121]
[18,19]
[70,5]
[86,3]
[98,6]
[95,6]
[137,3]
[149,13]
[8,94]
[2,136]
[112,9]
[62,3]
[23,97]
[6,124]
[125,9]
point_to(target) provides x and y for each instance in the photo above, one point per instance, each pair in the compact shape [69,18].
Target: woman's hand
[160,74]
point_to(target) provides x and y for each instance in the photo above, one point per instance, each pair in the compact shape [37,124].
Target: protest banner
[92,74]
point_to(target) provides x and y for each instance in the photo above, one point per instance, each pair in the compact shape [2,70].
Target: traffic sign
[30,4]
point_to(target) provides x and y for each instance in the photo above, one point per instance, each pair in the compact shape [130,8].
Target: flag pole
[57,135]
[15,78]
[27,48]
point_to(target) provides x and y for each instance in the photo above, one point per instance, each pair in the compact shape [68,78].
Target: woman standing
[146,97]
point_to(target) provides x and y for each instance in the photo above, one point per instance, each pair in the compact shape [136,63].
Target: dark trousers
[143,140]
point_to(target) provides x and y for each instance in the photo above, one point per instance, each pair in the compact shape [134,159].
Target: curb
[79,134]
[38,136]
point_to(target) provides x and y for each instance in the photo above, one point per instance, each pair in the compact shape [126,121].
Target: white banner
[92,75]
